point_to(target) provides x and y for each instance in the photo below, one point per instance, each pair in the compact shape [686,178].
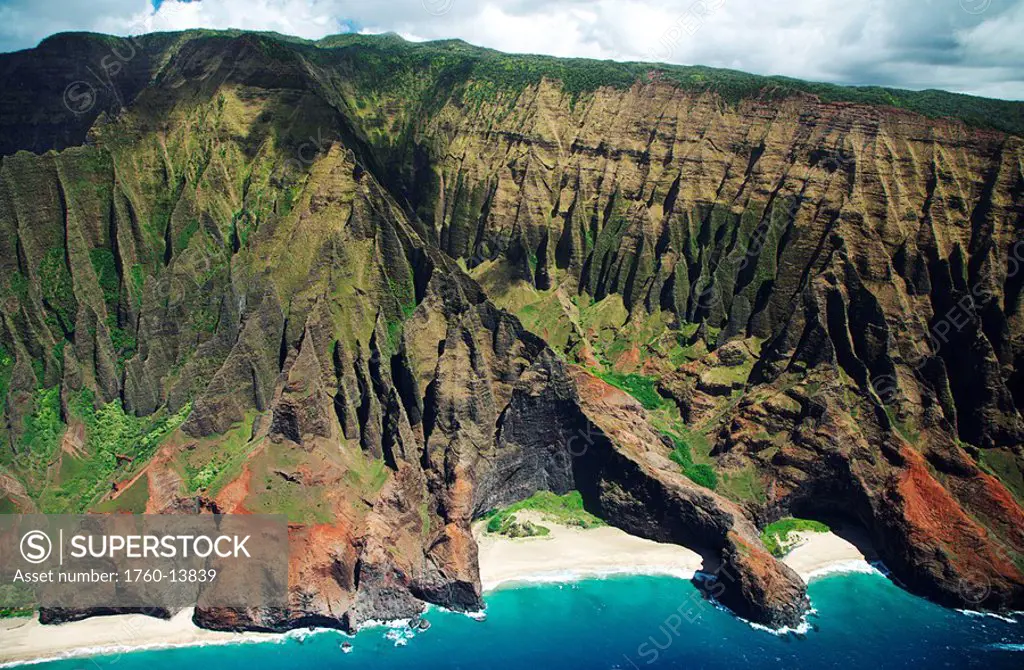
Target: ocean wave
[384,623]
[578,575]
[841,567]
[112,649]
[300,634]
[1008,617]
[1006,646]
[802,628]
[476,615]
[399,636]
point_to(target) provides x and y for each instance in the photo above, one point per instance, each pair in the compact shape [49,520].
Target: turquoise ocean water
[861,621]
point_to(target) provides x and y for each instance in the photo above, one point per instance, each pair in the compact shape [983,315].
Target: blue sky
[970,46]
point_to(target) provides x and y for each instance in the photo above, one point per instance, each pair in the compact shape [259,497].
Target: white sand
[818,554]
[574,553]
[26,639]
[566,554]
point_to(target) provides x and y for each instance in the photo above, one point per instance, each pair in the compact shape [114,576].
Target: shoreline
[570,554]
[25,641]
[565,555]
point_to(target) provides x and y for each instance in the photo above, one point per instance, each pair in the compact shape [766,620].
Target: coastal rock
[59,615]
[637,492]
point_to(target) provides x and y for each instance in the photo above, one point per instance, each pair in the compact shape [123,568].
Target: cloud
[971,46]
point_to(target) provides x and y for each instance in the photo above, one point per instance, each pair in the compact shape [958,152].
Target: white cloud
[311,19]
[963,45]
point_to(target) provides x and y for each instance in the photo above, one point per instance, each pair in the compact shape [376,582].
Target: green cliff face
[384,287]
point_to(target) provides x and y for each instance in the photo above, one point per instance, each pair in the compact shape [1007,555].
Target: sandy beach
[574,553]
[565,554]
[818,554]
[25,639]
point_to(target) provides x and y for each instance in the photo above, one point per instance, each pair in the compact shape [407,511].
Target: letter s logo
[36,546]
[79,97]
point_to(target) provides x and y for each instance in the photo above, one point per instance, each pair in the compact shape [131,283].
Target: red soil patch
[322,560]
[595,391]
[164,483]
[231,499]
[934,518]
[628,360]
[586,355]
[985,496]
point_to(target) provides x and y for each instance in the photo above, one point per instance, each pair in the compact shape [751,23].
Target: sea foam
[578,575]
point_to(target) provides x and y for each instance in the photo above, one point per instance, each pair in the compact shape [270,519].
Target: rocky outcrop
[624,468]
[54,616]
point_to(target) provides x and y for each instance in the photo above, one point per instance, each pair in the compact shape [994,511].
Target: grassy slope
[566,510]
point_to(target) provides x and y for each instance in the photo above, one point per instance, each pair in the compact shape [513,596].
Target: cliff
[381,287]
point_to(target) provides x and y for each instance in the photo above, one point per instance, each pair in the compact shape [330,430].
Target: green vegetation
[700,473]
[124,344]
[609,336]
[38,443]
[58,292]
[729,376]
[1003,465]
[17,285]
[115,443]
[138,275]
[566,510]
[14,601]
[7,506]
[185,235]
[106,272]
[43,427]
[204,318]
[216,461]
[131,501]
[276,489]
[384,62]
[743,484]
[496,522]
[369,474]
[510,527]
[405,295]
[642,388]
[681,454]
[6,368]
[776,535]
[703,474]
[905,429]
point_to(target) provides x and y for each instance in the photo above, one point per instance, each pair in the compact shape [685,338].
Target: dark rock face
[532,451]
[222,235]
[56,615]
